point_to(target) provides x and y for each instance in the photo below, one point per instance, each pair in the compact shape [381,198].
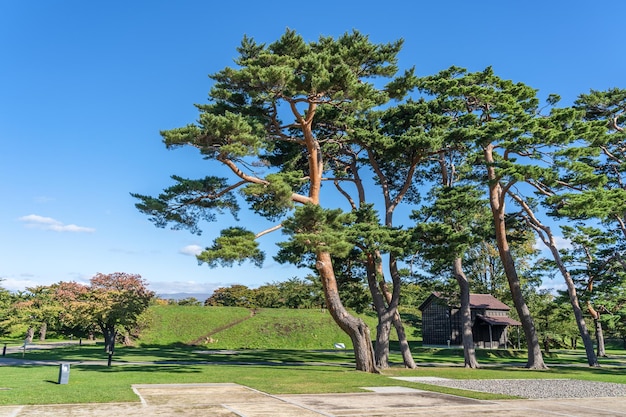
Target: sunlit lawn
[276,371]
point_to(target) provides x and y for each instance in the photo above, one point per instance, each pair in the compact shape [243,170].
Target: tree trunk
[496,201]
[109,334]
[546,344]
[466,315]
[43,329]
[393,300]
[535,359]
[545,234]
[405,349]
[356,328]
[381,349]
[383,328]
[387,313]
[30,333]
[600,337]
[592,359]
[601,352]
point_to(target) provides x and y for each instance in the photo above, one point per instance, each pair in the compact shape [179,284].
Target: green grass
[281,328]
[266,329]
[275,351]
[184,324]
[37,385]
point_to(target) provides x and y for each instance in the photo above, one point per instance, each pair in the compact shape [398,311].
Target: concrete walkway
[232,400]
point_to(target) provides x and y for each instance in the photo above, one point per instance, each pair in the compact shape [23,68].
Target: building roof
[499,320]
[487,301]
[482,301]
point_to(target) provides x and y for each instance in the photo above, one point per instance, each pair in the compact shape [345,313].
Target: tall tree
[447,227]
[499,120]
[599,276]
[592,185]
[547,237]
[313,86]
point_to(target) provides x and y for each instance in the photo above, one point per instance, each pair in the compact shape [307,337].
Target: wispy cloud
[48,223]
[189,287]
[560,241]
[191,250]
[43,199]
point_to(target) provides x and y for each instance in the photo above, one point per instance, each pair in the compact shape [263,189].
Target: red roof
[487,301]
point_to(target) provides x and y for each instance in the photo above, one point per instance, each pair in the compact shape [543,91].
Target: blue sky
[86,86]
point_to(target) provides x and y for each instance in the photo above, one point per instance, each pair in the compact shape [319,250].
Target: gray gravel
[531,388]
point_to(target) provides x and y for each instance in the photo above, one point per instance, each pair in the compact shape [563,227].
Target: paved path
[232,400]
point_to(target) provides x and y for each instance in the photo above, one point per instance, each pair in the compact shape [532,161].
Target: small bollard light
[4,350]
[64,373]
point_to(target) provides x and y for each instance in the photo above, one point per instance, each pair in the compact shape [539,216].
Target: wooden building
[441,322]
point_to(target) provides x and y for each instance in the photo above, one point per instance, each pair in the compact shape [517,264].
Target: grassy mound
[240,328]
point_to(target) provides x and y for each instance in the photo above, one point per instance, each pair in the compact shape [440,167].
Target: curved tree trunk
[356,328]
[405,349]
[387,312]
[383,328]
[496,201]
[578,312]
[592,359]
[545,234]
[469,352]
[393,300]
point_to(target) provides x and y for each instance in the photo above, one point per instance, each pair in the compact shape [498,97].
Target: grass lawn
[268,370]
[277,351]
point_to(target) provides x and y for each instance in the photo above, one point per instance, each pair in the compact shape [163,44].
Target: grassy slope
[169,324]
[266,329]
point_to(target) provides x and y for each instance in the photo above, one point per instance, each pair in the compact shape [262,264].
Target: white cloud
[561,243]
[21,282]
[48,223]
[191,250]
[187,287]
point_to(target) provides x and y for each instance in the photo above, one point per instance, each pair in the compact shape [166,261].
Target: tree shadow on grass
[176,369]
[181,354]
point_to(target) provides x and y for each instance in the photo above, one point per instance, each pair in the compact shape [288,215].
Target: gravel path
[531,388]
